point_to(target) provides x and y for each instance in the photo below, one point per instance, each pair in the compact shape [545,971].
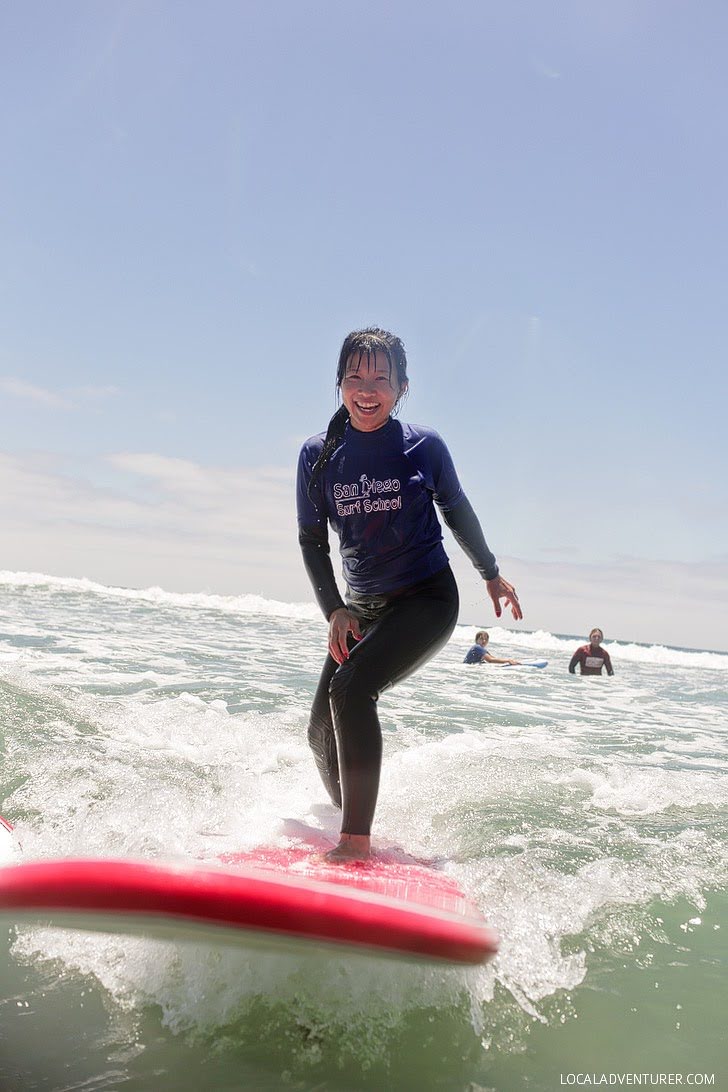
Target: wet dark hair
[366,344]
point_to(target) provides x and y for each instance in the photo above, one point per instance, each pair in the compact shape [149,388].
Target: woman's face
[369,390]
[595,636]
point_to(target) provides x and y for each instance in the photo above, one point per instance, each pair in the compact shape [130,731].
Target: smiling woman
[369,390]
[376,481]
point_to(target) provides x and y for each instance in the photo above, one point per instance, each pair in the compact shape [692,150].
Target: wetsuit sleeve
[314,544]
[469,536]
[458,513]
[575,659]
[607,662]
[313,536]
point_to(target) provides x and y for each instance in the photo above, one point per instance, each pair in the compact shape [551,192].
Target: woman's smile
[369,390]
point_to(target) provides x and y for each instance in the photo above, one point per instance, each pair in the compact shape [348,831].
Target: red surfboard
[270,897]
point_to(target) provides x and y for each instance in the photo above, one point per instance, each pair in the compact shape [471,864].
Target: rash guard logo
[367,495]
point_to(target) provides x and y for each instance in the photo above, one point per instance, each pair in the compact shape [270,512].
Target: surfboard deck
[529,663]
[271,897]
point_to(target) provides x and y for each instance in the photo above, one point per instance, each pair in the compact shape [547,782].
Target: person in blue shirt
[377,482]
[478,653]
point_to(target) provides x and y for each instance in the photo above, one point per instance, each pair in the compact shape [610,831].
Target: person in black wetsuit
[376,481]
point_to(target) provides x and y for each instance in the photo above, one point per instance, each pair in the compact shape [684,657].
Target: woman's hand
[342,623]
[498,589]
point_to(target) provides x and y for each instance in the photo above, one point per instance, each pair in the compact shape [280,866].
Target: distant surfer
[478,653]
[592,657]
[376,481]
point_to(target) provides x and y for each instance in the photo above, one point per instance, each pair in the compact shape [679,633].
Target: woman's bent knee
[347,685]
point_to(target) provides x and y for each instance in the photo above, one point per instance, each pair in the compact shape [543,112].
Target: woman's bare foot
[351,847]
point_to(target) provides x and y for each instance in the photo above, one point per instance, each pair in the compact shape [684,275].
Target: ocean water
[587,817]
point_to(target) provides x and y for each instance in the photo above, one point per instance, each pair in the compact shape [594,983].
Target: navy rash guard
[377,493]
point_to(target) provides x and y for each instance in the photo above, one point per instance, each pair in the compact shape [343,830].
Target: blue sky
[198,201]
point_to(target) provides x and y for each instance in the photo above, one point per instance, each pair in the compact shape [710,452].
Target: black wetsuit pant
[401,632]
